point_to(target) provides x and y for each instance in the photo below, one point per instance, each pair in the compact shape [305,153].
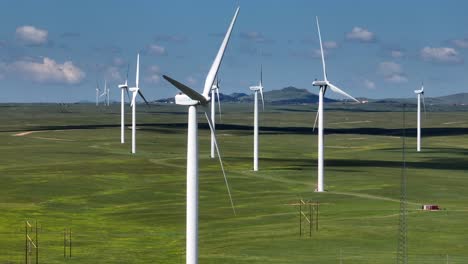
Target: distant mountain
[293,95]
[454,99]
[288,95]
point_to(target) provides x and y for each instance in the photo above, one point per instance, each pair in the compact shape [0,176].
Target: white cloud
[112,73]
[155,49]
[460,43]
[153,74]
[31,35]
[369,84]
[191,80]
[396,78]
[117,61]
[154,79]
[330,44]
[442,54]
[47,71]
[397,54]
[361,35]
[316,53]
[327,46]
[392,72]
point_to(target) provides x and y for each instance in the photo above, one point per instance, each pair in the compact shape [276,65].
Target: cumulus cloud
[392,72]
[330,45]
[361,35]
[112,73]
[171,38]
[153,75]
[397,54]
[460,43]
[31,35]
[327,47]
[191,80]
[157,50]
[441,55]
[47,71]
[255,36]
[369,84]
[118,61]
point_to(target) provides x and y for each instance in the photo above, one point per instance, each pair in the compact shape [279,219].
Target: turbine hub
[319,83]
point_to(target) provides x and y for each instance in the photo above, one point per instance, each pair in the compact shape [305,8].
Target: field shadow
[428,132]
[353,165]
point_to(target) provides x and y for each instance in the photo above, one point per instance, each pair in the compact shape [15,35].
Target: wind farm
[290,173]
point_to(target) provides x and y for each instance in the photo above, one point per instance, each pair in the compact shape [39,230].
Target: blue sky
[55,51]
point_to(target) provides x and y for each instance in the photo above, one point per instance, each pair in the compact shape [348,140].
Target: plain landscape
[63,165]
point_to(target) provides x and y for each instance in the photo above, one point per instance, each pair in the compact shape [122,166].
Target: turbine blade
[261,95]
[339,91]
[261,75]
[187,90]
[141,94]
[137,80]
[220,161]
[126,77]
[219,103]
[128,93]
[315,123]
[219,57]
[321,50]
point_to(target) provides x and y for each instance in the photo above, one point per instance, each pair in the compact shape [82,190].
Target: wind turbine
[214,91]
[104,93]
[256,89]
[97,93]
[192,99]
[323,85]
[123,87]
[108,95]
[135,91]
[420,94]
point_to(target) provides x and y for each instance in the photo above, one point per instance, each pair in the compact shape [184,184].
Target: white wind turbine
[323,87]
[192,99]
[214,91]
[258,88]
[123,87]
[135,91]
[420,94]
[105,93]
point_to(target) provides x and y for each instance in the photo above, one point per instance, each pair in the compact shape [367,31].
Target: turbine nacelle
[183,99]
[419,91]
[256,88]
[320,83]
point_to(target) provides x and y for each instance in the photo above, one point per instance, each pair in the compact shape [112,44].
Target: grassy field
[70,171]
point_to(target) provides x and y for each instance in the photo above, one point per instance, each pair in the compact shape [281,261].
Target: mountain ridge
[294,95]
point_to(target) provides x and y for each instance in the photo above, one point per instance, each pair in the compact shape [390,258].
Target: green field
[72,172]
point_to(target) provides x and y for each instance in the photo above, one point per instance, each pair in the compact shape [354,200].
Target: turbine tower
[192,99]
[258,88]
[135,91]
[323,85]
[108,95]
[420,94]
[123,87]
[214,90]
[97,93]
